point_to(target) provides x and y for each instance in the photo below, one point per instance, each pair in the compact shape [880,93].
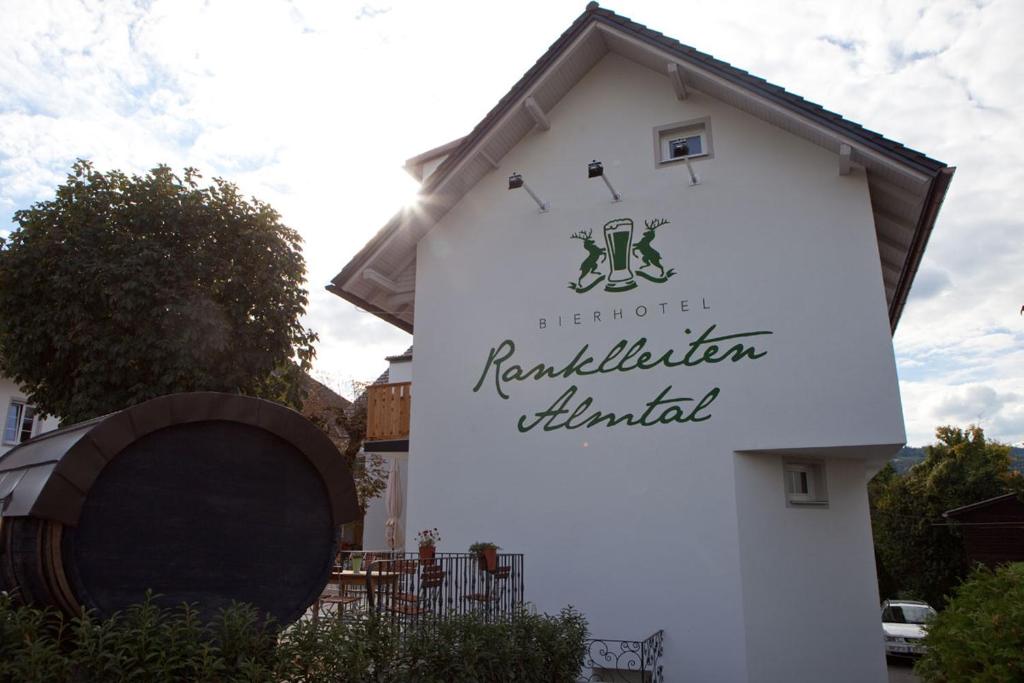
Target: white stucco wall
[644,528]
[400,371]
[822,559]
[374,532]
[10,391]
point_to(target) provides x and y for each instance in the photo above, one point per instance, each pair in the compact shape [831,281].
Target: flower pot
[427,554]
[357,563]
[488,559]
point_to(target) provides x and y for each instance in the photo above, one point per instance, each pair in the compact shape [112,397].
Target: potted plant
[487,554]
[356,560]
[428,540]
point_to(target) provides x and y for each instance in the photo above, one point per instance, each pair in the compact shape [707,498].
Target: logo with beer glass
[625,260]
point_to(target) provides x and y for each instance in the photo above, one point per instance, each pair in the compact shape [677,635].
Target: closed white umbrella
[394,501]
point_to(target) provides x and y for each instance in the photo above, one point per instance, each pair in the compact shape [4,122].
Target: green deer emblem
[648,254]
[619,255]
[595,256]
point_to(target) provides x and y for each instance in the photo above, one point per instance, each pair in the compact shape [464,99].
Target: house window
[685,146]
[805,483]
[21,418]
[685,140]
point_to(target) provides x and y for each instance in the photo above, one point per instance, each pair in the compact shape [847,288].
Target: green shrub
[979,637]
[535,648]
[145,643]
[151,643]
[30,644]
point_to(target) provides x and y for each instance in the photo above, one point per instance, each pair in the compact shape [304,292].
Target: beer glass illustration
[618,236]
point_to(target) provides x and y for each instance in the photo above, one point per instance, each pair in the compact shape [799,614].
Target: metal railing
[624,661]
[387,411]
[406,589]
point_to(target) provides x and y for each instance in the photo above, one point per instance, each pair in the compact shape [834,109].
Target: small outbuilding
[993,529]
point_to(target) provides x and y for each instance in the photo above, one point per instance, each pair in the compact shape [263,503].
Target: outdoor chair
[406,586]
[341,598]
[425,599]
[495,588]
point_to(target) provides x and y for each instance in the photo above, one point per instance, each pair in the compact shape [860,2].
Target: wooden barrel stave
[201,511]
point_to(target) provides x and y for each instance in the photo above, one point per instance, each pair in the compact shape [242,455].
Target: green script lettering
[622,357]
[552,417]
[566,412]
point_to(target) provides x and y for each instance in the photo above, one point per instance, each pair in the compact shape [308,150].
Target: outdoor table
[347,577]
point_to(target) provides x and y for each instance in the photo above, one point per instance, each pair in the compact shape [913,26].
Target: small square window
[678,142]
[689,146]
[805,483]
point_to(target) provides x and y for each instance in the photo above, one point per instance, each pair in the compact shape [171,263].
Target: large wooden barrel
[203,498]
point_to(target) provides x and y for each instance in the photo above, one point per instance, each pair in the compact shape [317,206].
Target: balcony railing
[403,589]
[625,661]
[387,411]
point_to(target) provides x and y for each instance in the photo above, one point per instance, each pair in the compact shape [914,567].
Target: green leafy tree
[126,287]
[919,553]
[979,637]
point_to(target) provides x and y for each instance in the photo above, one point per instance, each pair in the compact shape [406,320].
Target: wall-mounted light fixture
[595,169]
[515,181]
[683,150]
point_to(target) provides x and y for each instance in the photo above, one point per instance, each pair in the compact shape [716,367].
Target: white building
[671,401]
[21,420]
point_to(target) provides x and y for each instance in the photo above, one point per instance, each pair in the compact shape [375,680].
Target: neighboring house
[21,421]
[321,406]
[993,529]
[387,438]
[669,391]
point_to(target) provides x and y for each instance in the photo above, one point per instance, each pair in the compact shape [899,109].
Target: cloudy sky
[314,105]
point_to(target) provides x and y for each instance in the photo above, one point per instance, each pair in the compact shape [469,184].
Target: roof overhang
[422,165]
[956,512]
[906,187]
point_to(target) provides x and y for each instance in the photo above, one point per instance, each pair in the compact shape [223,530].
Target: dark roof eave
[980,504]
[431,154]
[922,232]
[910,157]
[359,260]
[369,308]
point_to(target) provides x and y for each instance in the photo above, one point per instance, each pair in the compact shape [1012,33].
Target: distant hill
[910,456]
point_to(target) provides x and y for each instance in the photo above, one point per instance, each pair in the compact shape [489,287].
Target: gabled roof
[401,357]
[906,186]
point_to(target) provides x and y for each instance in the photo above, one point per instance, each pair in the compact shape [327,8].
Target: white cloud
[996,406]
[313,105]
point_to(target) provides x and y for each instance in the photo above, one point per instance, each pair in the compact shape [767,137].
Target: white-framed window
[20,422]
[806,483]
[685,145]
[677,142]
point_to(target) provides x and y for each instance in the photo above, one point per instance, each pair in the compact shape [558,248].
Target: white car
[904,623]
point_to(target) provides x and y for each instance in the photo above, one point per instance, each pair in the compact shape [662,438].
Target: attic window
[685,140]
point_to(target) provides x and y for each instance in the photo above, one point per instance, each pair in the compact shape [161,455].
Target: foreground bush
[150,643]
[145,643]
[980,635]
